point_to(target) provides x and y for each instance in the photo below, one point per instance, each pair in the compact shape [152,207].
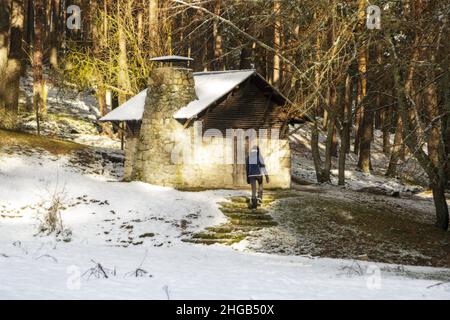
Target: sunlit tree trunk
[366,129]
[346,120]
[5,10]
[39,91]
[386,120]
[154,23]
[55,31]
[277,44]
[217,38]
[396,148]
[11,78]
[123,78]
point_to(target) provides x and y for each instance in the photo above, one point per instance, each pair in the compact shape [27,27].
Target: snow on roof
[171,59]
[209,87]
[130,110]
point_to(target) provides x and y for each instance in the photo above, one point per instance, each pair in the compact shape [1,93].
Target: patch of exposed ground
[86,159]
[338,223]
[26,141]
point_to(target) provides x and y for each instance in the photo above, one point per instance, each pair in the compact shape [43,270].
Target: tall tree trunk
[140,28]
[123,79]
[154,23]
[358,118]
[39,92]
[333,108]
[436,174]
[55,31]
[5,22]
[366,124]
[386,119]
[432,110]
[277,44]
[346,120]
[217,38]
[316,153]
[396,148]
[96,48]
[315,129]
[14,66]
[5,10]
[326,173]
[366,139]
[436,149]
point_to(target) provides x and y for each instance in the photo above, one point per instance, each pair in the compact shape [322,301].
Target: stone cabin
[193,129]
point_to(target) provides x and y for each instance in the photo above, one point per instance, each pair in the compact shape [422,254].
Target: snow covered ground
[303,165]
[130,226]
[71,114]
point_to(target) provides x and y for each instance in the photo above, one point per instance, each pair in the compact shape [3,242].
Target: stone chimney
[170,88]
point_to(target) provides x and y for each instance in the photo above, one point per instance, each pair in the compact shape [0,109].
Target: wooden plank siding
[247,107]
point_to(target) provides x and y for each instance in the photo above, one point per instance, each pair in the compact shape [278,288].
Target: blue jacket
[254,164]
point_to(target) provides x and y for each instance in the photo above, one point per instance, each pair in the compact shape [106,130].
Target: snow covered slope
[126,226]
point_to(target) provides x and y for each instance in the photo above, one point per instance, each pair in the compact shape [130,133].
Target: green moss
[243,216]
[196,189]
[243,210]
[226,228]
[212,241]
[214,235]
[233,205]
[254,222]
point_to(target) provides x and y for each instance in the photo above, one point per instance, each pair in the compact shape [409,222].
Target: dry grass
[54,146]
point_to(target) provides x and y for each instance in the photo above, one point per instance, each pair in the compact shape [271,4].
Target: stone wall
[130,152]
[211,170]
[205,164]
[169,90]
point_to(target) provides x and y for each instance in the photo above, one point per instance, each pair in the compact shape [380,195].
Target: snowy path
[110,219]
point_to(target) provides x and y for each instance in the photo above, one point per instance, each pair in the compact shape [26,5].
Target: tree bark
[217,38]
[123,78]
[326,172]
[386,119]
[436,174]
[55,32]
[396,148]
[333,108]
[153,23]
[316,153]
[366,124]
[39,92]
[346,119]
[5,11]
[277,44]
[358,118]
[13,70]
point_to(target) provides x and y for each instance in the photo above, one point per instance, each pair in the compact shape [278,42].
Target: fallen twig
[438,284]
[47,256]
